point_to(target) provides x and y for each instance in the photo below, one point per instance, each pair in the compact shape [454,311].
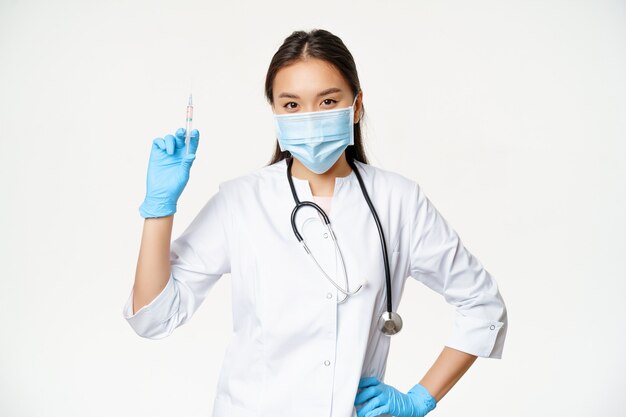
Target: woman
[311,327]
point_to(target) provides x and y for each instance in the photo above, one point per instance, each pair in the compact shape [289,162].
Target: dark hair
[321,44]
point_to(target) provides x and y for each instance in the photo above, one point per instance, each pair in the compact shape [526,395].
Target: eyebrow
[323,93]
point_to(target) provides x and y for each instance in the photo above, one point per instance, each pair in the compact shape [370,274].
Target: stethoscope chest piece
[390,323]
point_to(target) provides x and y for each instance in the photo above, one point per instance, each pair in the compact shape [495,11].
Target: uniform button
[492,327]
[325,235]
[326,363]
[329,295]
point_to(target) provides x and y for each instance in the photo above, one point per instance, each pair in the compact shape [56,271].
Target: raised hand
[168,173]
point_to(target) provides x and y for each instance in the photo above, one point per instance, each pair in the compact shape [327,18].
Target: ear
[358,107]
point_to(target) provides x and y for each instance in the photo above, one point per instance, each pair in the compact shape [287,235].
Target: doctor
[315,292]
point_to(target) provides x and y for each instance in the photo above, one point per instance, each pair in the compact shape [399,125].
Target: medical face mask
[318,138]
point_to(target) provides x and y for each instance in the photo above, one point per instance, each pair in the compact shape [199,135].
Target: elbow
[152,331]
[159,318]
[480,327]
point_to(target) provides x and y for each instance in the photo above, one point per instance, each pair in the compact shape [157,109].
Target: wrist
[421,395]
[151,208]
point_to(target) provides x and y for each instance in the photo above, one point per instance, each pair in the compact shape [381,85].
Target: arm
[439,260]
[153,265]
[184,270]
[446,371]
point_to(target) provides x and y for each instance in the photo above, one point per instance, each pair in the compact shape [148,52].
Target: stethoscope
[389,323]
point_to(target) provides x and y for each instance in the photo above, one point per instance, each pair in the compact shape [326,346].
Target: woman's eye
[327,102]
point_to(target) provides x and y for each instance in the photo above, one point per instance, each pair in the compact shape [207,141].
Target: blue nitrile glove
[168,173]
[385,399]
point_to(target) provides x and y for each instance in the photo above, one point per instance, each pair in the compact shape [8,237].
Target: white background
[510,115]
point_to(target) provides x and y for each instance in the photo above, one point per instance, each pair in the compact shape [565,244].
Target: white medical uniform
[294,351]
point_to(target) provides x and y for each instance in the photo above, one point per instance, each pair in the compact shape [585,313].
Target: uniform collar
[303,186]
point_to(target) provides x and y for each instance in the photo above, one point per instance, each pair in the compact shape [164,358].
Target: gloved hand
[168,173]
[385,399]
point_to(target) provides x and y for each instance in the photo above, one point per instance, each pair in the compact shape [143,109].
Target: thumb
[187,161]
[194,139]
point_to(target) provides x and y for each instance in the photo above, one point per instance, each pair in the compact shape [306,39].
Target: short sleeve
[439,260]
[198,258]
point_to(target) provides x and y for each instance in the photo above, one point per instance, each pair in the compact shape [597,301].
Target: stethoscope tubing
[300,204]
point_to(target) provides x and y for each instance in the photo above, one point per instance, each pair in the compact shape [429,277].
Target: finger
[159,143]
[378,411]
[180,138]
[169,144]
[369,406]
[367,394]
[368,381]
[194,140]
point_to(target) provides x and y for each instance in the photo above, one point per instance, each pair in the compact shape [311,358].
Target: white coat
[294,350]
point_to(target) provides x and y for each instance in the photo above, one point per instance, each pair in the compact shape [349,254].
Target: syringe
[188,125]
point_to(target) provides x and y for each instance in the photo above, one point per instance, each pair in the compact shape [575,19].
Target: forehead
[308,77]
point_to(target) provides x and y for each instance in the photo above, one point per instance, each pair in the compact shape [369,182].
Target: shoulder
[385,179]
[398,190]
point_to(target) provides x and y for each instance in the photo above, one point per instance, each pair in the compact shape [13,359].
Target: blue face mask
[317,138]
